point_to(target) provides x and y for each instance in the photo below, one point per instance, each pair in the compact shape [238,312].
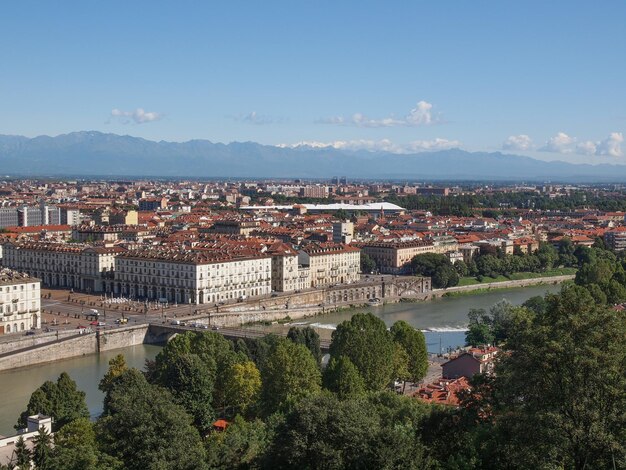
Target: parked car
[175,322]
[30,333]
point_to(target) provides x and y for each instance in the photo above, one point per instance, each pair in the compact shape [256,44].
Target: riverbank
[489,286]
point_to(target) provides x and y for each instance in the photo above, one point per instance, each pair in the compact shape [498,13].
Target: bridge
[160,333]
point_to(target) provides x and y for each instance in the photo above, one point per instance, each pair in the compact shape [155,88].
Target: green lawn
[469,281]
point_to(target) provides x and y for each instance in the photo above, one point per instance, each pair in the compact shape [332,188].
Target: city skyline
[391,77]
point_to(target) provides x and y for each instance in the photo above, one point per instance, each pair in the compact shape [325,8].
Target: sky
[539,78]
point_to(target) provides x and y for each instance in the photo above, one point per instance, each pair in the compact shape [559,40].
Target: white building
[191,276]
[331,263]
[20,302]
[69,265]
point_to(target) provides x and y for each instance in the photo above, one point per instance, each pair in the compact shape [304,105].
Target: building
[616,239]
[395,257]
[235,227]
[20,302]
[152,204]
[474,361]
[314,191]
[7,444]
[331,263]
[287,274]
[185,276]
[69,265]
[8,217]
[343,232]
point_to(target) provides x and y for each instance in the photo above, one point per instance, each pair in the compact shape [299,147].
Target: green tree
[308,337]
[289,374]
[243,385]
[343,378]
[190,381]
[324,432]
[117,365]
[478,334]
[414,343]
[61,400]
[144,428]
[437,266]
[364,339]
[536,304]
[240,446]
[75,448]
[461,268]
[558,396]
[42,449]
[22,454]
[368,265]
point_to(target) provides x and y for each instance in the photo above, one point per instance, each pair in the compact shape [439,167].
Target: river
[444,319]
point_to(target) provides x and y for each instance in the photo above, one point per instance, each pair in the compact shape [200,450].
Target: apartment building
[287,274]
[394,257]
[331,263]
[73,266]
[185,276]
[20,302]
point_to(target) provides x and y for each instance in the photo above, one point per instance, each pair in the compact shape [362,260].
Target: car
[80,327]
[274,294]
[175,322]
[30,333]
[94,323]
[203,326]
[183,323]
[214,327]
[101,323]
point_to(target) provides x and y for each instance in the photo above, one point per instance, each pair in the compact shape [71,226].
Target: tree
[243,385]
[22,454]
[558,396]
[536,304]
[42,449]
[461,268]
[117,365]
[478,334]
[191,381]
[324,432]
[61,400]
[364,339]
[343,378]
[75,448]
[437,266]
[240,446]
[289,374]
[308,337]
[144,428]
[414,343]
[368,265]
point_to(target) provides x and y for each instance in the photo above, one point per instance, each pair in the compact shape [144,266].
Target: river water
[443,322]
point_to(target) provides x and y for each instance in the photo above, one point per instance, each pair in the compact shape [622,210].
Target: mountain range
[91,153]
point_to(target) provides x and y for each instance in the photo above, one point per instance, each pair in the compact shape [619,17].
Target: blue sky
[539,78]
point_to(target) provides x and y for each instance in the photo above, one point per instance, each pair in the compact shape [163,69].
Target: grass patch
[471,281]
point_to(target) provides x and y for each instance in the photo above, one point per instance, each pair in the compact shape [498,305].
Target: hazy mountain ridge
[96,153]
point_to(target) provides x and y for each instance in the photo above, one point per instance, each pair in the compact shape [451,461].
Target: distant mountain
[98,154]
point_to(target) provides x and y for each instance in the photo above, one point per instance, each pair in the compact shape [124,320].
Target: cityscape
[228,240]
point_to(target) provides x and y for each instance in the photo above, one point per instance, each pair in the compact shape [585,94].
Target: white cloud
[256,118]
[560,143]
[563,143]
[612,145]
[421,115]
[383,145]
[586,148]
[139,116]
[518,142]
